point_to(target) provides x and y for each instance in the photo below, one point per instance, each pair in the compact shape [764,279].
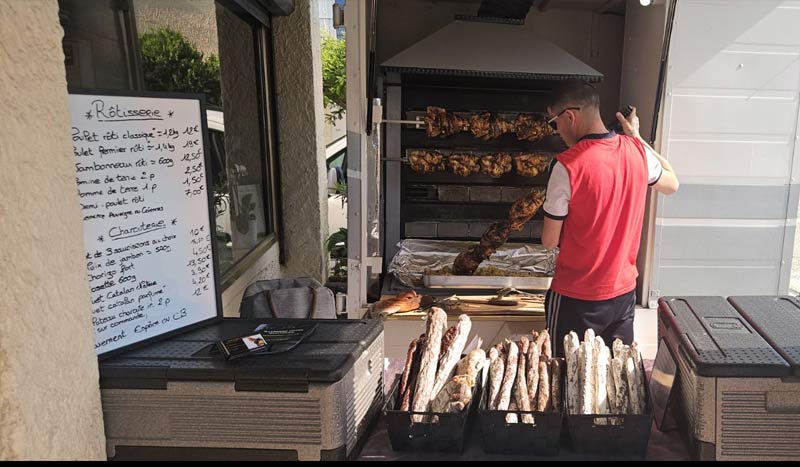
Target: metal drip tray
[486,282]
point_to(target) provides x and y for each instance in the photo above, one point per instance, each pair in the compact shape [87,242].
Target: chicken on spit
[531,164]
[532,127]
[521,212]
[438,123]
[426,161]
[495,165]
[463,164]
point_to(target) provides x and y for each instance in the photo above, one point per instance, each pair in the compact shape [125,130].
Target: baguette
[555,385]
[637,366]
[512,417]
[602,355]
[571,346]
[409,372]
[449,359]
[471,365]
[617,347]
[543,398]
[633,398]
[621,385]
[510,375]
[437,320]
[587,377]
[521,388]
[496,369]
[454,396]
[611,387]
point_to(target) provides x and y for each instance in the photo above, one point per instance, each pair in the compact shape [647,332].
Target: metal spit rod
[416,122]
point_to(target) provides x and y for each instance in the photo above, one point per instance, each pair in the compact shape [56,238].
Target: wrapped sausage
[497,366]
[532,374]
[543,397]
[555,385]
[521,387]
[510,375]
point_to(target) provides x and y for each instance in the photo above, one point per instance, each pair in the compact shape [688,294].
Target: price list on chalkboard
[143,187]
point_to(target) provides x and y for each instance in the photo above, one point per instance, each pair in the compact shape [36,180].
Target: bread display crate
[626,434]
[540,438]
[737,380]
[179,399]
[448,433]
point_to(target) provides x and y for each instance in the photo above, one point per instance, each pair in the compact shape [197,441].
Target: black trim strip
[608,135]
[657,178]
[556,218]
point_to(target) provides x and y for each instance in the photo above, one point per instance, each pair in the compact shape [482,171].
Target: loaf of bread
[437,320]
[452,352]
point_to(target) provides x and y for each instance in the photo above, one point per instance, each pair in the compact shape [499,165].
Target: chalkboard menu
[142,177]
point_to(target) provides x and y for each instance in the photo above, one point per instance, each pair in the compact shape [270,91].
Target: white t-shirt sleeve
[556,204]
[654,169]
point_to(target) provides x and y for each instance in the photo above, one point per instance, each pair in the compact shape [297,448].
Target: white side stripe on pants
[552,314]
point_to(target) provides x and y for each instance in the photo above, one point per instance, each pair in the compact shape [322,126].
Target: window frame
[270,168]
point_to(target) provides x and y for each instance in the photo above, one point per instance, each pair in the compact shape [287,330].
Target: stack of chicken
[435,377]
[496,235]
[524,377]
[599,383]
[528,127]
[532,127]
[495,165]
[531,164]
[426,161]
[463,164]
[438,123]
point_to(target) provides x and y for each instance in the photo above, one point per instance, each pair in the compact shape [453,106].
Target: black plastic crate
[448,434]
[541,438]
[628,436]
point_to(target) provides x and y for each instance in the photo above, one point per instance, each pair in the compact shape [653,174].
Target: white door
[730,131]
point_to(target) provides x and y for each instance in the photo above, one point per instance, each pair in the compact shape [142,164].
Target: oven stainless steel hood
[478,48]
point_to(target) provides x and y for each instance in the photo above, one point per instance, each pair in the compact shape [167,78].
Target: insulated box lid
[777,319]
[323,357]
[719,340]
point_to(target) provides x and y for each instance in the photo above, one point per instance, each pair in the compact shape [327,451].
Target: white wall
[49,390]
[730,131]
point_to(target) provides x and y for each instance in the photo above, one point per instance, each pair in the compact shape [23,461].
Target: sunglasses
[551,121]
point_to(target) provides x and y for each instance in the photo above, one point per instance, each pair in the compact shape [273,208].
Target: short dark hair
[574,92]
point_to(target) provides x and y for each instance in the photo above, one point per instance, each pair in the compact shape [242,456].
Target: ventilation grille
[749,431]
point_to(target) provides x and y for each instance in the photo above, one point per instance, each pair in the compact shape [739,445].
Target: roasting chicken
[439,124]
[532,127]
[531,164]
[496,235]
[463,164]
[426,161]
[495,165]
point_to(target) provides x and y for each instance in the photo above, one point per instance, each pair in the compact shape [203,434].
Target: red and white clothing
[598,188]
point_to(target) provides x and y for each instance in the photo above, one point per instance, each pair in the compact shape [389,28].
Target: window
[217,48]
